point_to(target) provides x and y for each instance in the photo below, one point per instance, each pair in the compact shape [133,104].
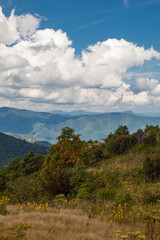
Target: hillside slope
[11,147]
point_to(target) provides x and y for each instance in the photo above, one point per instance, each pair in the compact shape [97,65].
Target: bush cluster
[58,166]
[151,167]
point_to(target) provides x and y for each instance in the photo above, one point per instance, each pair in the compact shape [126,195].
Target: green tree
[66,133]
[151,129]
[32,162]
[122,130]
[57,167]
[14,168]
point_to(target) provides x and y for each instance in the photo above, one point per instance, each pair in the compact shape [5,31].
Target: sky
[92,55]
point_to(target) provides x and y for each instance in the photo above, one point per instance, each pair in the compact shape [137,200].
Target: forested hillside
[11,147]
[30,138]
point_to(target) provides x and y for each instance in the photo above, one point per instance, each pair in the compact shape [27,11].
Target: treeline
[121,141]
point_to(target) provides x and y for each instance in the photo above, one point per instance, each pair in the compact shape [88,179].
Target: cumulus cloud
[141,98]
[107,61]
[14,27]
[39,69]
[152,86]
[145,84]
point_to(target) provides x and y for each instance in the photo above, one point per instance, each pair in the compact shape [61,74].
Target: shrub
[57,167]
[83,193]
[97,150]
[32,162]
[152,134]
[14,168]
[107,193]
[79,176]
[123,197]
[3,180]
[26,188]
[151,168]
[151,193]
[149,139]
[120,131]
[121,144]
[59,182]
[139,135]
[100,184]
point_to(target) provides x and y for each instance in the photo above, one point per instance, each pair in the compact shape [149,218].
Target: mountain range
[47,126]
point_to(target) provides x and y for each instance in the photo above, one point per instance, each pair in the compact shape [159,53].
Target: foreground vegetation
[62,223]
[108,190]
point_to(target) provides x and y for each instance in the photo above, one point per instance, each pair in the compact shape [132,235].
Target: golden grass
[128,161]
[62,224]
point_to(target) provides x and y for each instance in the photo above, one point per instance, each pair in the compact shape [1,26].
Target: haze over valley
[47,126]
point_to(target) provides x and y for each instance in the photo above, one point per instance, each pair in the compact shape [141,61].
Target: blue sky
[91,54]
[89,21]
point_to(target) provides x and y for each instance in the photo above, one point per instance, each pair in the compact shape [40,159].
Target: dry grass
[63,224]
[129,161]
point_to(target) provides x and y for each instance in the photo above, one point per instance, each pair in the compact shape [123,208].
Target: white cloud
[141,98]
[106,62]
[145,84]
[152,86]
[15,27]
[156,91]
[41,66]
[12,62]
[31,93]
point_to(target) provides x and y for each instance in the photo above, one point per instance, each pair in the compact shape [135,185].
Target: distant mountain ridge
[30,138]
[47,126]
[74,113]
